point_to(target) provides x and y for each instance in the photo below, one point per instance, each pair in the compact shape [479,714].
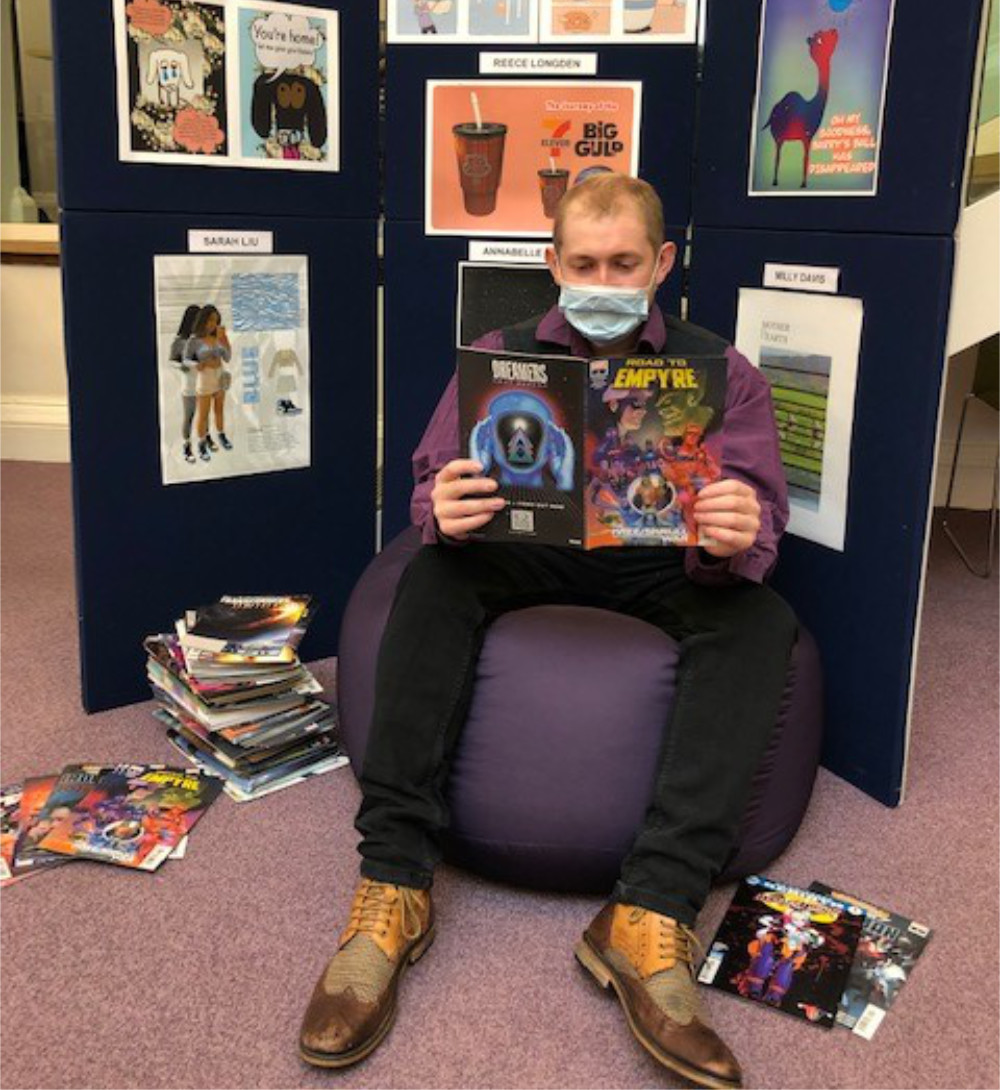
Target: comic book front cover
[785,947]
[521,418]
[46,805]
[134,816]
[267,627]
[10,804]
[889,947]
[654,439]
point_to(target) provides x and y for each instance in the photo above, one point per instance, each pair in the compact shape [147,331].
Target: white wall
[34,404]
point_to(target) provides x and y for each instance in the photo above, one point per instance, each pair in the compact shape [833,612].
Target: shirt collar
[556,330]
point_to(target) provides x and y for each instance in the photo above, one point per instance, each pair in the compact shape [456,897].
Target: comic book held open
[605,452]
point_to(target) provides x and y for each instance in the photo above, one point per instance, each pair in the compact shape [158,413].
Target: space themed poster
[821,78]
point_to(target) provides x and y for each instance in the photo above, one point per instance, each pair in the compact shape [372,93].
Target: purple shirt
[749,448]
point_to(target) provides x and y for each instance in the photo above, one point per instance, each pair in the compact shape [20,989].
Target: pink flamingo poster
[821,75]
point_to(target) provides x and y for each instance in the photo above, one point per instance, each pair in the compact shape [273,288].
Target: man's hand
[462,502]
[728,512]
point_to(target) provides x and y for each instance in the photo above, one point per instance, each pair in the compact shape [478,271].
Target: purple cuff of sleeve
[754,565]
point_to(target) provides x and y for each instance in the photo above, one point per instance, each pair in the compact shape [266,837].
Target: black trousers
[735,643]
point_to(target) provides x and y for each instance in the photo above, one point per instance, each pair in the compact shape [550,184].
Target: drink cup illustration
[479,149]
[553,183]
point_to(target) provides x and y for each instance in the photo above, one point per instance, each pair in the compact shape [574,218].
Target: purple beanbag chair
[555,767]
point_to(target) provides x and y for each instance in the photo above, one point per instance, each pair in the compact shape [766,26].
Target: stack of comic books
[815,953]
[235,698]
[131,815]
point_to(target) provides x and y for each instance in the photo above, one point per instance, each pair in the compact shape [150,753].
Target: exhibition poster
[501,153]
[821,77]
[233,83]
[620,22]
[232,359]
[441,22]
[807,346]
[288,81]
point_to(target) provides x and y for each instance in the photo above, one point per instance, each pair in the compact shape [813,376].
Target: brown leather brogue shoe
[648,960]
[353,1004]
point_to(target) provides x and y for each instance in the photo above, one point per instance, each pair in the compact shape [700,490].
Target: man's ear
[552,260]
[665,261]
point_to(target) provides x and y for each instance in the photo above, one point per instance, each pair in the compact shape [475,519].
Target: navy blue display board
[929,88]
[668,76]
[92,177]
[860,604]
[145,551]
[421,278]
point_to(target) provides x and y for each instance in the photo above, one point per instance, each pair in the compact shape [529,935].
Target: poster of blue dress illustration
[232,363]
[821,76]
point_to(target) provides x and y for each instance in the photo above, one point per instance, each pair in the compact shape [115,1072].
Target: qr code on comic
[522,522]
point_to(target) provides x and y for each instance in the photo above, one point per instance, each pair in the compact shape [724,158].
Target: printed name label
[520,253]
[230,242]
[538,64]
[802,277]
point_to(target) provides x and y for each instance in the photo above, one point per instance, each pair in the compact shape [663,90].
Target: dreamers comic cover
[654,439]
[785,947]
[521,417]
[135,815]
[888,949]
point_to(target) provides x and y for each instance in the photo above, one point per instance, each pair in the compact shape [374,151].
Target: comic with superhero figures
[597,453]
[888,949]
[45,803]
[785,947]
[133,815]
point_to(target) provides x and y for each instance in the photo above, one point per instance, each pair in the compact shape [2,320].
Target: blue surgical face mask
[604,314]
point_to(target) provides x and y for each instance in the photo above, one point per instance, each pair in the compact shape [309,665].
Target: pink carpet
[196,976]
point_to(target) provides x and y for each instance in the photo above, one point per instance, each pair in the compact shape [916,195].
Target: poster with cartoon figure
[442,22]
[287,87]
[248,83]
[232,358]
[619,22]
[807,346]
[501,153]
[821,77]
[172,96]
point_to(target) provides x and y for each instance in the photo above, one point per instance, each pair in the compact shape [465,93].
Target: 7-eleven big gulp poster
[501,153]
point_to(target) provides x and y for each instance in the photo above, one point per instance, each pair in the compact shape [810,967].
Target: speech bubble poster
[288,114]
[501,153]
[227,83]
[821,77]
[172,92]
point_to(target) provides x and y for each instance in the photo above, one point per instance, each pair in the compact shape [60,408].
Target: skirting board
[34,429]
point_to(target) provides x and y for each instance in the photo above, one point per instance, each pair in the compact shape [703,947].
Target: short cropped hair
[603,195]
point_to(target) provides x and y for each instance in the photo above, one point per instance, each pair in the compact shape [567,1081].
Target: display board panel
[145,550]
[860,603]
[824,66]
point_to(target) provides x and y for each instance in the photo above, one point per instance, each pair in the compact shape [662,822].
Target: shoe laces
[373,908]
[675,941]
